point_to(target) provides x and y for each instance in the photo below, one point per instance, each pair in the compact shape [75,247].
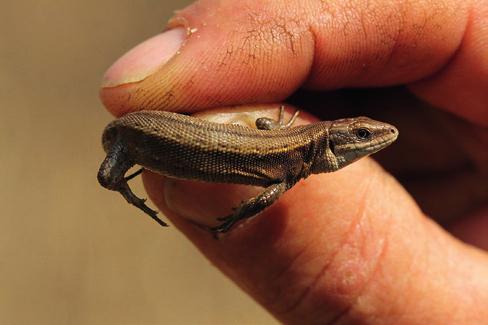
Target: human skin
[350,246]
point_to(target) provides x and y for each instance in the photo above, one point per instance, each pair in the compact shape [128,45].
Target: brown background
[71,252]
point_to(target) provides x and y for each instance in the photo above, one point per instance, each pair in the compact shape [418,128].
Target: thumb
[219,53]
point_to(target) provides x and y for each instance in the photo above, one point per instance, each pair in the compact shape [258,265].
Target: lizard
[275,155]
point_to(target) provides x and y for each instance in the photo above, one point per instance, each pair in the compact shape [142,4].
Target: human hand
[351,245]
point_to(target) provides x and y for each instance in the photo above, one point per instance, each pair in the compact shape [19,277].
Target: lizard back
[181,146]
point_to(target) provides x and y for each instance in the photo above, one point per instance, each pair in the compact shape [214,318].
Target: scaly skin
[276,156]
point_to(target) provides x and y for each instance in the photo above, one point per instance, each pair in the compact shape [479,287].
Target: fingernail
[145,58]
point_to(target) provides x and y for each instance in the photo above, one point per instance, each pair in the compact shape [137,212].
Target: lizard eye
[362,133]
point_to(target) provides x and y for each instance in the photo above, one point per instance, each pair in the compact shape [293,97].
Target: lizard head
[353,138]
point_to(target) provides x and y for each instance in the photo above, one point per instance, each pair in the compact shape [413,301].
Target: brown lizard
[274,156]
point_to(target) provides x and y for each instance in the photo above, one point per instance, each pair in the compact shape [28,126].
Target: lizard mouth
[382,144]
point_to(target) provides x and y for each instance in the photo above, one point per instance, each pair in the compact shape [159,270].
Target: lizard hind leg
[266,123]
[127,193]
[251,207]
[111,176]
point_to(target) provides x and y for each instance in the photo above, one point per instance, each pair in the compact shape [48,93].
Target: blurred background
[70,251]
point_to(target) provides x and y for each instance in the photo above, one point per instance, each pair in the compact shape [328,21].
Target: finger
[254,52]
[346,246]
[460,86]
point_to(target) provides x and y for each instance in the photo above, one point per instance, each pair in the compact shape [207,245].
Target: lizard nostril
[393,131]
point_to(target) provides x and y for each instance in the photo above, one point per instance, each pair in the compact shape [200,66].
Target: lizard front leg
[257,204]
[251,207]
